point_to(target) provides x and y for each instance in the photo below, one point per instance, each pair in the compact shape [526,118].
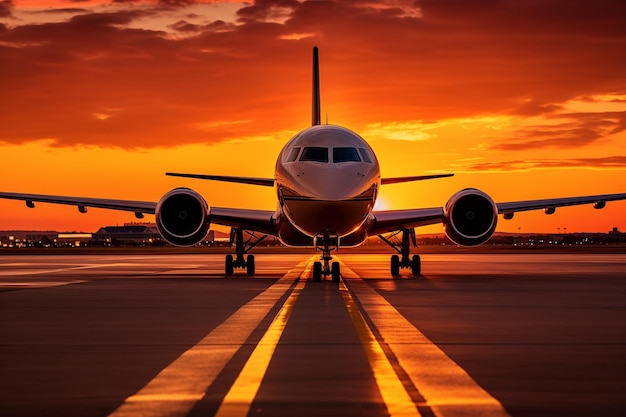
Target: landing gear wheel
[230,265]
[416,265]
[250,265]
[317,272]
[395,265]
[335,272]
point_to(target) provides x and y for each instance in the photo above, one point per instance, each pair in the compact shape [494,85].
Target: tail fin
[317,118]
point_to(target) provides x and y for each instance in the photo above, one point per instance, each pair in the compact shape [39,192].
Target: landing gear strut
[403,248]
[326,244]
[241,249]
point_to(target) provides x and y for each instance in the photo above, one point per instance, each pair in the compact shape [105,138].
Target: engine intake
[470,217]
[182,217]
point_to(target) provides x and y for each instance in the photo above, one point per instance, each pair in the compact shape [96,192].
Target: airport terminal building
[129,234]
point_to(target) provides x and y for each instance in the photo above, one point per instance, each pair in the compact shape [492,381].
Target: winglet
[316,88]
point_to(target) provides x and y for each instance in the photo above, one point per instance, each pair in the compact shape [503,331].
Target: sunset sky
[523,99]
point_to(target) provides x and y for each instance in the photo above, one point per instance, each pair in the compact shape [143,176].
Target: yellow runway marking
[38,284]
[239,398]
[177,388]
[42,271]
[448,390]
[396,398]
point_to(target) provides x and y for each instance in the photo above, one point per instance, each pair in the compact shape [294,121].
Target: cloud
[609,162]
[572,130]
[173,66]
[6,7]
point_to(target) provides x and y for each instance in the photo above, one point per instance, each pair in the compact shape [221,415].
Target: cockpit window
[365,155]
[345,155]
[293,154]
[315,154]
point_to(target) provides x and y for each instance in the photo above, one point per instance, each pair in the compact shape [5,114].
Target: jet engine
[470,217]
[182,217]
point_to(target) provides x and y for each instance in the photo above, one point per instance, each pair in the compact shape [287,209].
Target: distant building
[134,234]
[129,234]
[27,238]
[73,239]
[615,236]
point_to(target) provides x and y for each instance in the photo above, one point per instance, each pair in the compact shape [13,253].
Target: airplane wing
[253,220]
[269,182]
[397,180]
[392,220]
[266,182]
[598,201]
[139,207]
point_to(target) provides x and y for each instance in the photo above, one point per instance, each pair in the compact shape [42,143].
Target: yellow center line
[239,398]
[448,390]
[178,387]
[396,398]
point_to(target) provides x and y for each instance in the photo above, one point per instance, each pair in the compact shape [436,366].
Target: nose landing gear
[403,248]
[326,244]
[241,249]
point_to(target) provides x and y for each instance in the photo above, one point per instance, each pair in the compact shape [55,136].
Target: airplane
[327,179]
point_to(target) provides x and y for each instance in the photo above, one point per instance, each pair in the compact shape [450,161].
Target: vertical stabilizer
[316,88]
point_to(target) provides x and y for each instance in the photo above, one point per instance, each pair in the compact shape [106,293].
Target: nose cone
[333,183]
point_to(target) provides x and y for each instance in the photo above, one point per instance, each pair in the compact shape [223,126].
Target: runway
[170,335]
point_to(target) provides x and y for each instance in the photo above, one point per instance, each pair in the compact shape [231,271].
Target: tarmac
[170,335]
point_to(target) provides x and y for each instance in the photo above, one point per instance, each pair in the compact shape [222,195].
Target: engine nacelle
[183,217]
[470,217]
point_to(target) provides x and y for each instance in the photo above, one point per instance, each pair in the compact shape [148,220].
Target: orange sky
[523,99]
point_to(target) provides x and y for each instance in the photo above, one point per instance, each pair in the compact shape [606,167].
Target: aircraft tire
[250,267]
[395,265]
[317,272]
[229,266]
[335,271]
[416,265]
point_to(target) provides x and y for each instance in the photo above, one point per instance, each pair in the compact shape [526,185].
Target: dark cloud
[6,7]
[94,79]
[609,162]
[533,108]
[184,26]
[263,10]
[575,130]
[177,3]
[61,11]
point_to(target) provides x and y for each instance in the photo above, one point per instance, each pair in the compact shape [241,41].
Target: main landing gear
[241,249]
[403,248]
[326,244]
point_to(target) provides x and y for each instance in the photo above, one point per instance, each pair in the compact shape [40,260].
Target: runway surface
[475,335]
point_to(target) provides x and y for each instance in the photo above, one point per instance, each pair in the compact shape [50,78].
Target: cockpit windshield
[345,155]
[315,154]
[293,154]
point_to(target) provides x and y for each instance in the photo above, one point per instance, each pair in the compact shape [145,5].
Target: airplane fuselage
[327,179]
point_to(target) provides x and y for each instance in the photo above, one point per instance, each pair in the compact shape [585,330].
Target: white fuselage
[327,180]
